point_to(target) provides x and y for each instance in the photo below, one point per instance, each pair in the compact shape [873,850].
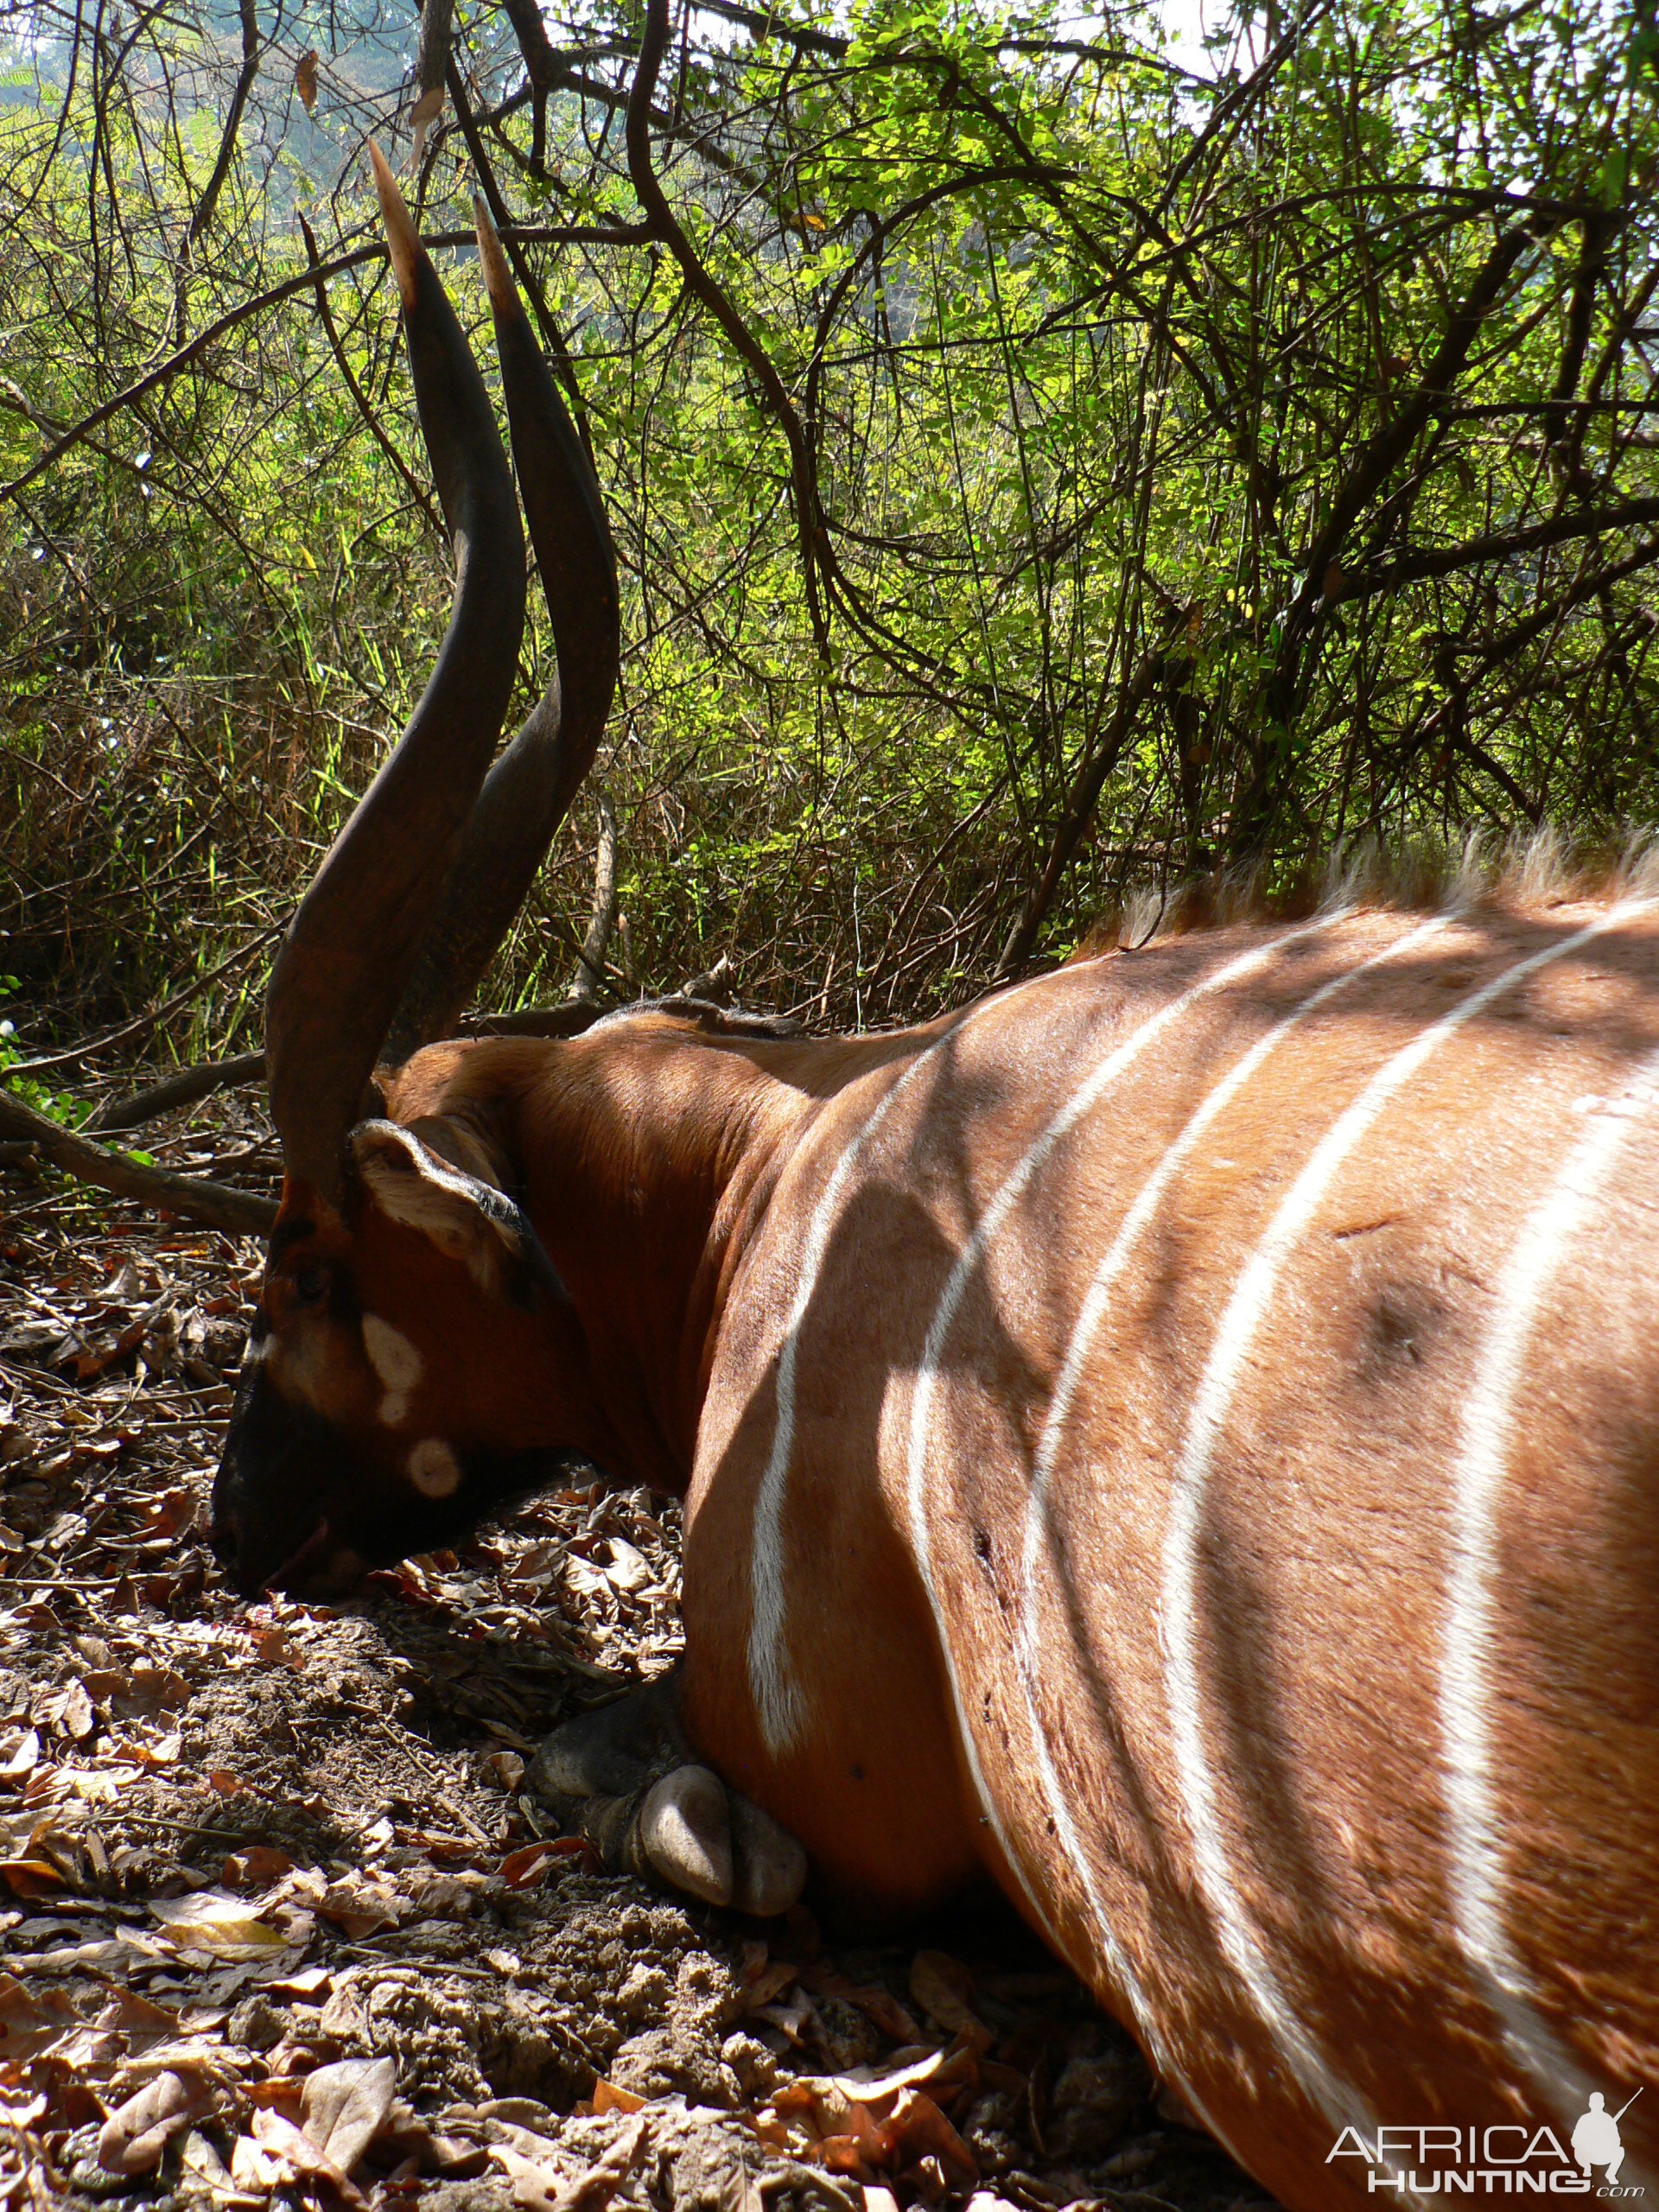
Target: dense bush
[1039,462]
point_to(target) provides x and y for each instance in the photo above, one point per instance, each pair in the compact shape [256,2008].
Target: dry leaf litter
[278,1925]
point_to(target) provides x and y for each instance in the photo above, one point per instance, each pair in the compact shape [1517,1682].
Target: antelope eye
[311,1286]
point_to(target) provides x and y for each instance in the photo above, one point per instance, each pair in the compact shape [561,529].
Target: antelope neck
[647,1157]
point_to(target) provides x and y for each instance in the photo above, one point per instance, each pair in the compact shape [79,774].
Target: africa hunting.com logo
[1507,2160]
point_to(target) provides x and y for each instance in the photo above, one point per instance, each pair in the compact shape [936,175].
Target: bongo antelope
[1180,1436]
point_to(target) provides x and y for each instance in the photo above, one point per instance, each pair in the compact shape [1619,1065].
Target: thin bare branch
[216,1205]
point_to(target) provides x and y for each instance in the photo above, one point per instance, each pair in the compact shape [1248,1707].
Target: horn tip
[401,240]
[497,277]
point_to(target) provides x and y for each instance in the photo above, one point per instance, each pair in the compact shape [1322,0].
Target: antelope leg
[626,1777]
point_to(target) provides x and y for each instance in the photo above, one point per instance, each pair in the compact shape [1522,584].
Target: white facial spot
[434,1469]
[392,1357]
[397,1364]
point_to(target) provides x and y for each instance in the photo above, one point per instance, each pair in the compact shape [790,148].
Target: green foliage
[1301,399]
[68,1113]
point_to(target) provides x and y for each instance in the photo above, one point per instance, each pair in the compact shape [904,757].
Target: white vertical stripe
[779,1701]
[1477,1873]
[777,1697]
[1093,1312]
[1239,1327]
[1087,1094]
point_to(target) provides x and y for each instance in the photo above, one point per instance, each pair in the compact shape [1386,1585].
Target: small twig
[664,225]
[528,283]
[209,200]
[590,961]
[1501,545]
[181,358]
[205,339]
[1085,795]
[377,429]
[1387,446]
[238,1213]
[567,1020]
[183,1088]
[55,1062]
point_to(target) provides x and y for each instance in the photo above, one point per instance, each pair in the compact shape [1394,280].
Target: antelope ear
[467,1218]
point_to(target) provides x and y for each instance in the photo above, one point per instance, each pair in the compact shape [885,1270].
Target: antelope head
[403,1280]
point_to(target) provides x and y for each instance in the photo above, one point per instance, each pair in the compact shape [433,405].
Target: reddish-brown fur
[1181,1436]
[673,1176]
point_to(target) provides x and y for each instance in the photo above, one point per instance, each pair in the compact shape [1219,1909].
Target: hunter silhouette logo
[1505,2158]
[1596,2139]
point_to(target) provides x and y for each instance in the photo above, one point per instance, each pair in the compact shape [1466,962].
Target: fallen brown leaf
[133,2135]
[151,1691]
[358,1906]
[279,2138]
[282,2093]
[202,2162]
[171,1513]
[942,1987]
[595,2190]
[878,2005]
[136,2018]
[609,2096]
[310,1981]
[20,1750]
[213,1921]
[276,1650]
[533,2184]
[531,1863]
[344,2106]
[28,2021]
[920,2130]
[255,1867]
[67,1711]
[93,1360]
[770,1982]
[31,1878]
[253,2169]
[844,2154]
[406,2136]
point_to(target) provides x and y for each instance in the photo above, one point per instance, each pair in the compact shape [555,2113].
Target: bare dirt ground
[278,1924]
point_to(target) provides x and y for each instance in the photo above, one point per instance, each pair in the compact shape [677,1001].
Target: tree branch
[1384,452]
[432,62]
[660,218]
[590,961]
[182,1088]
[359,257]
[1500,545]
[216,1205]
[1321,578]
[1090,781]
[55,1062]
[528,283]
[209,200]
[416,490]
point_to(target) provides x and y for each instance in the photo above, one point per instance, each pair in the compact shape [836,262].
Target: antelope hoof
[685,1832]
[770,1865]
[625,1777]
